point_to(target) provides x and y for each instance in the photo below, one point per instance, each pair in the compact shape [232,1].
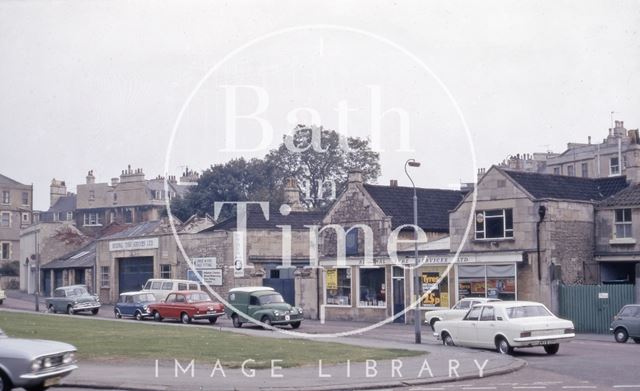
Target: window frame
[87,220]
[2,214]
[505,230]
[105,277]
[165,273]
[617,170]
[584,170]
[5,255]
[359,286]
[623,223]
[6,197]
[349,271]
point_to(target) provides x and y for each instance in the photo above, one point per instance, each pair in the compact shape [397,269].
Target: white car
[505,325]
[458,311]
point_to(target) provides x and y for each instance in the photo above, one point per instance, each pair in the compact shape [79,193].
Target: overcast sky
[100,84]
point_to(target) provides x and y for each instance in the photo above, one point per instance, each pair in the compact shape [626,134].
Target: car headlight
[300,309]
[276,313]
[145,308]
[68,358]
[47,363]
[36,365]
[569,331]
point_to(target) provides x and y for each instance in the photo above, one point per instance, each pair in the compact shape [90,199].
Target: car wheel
[447,340]
[552,349]
[636,340]
[70,310]
[95,311]
[295,325]
[138,315]
[156,316]
[433,324]
[621,335]
[5,383]
[1,301]
[51,309]
[39,387]
[236,321]
[184,318]
[117,314]
[503,347]
[213,320]
[267,321]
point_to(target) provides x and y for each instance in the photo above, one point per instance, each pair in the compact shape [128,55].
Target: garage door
[133,273]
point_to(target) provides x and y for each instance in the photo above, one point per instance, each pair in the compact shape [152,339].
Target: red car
[186,306]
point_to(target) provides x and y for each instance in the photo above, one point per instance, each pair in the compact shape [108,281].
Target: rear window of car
[463,305]
[527,311]
[197,297]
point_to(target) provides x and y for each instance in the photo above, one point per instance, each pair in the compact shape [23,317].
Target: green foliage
[10,269]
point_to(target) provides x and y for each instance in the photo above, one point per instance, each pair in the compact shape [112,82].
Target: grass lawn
[116,340]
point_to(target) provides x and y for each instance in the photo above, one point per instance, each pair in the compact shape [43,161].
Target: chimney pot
[393,183]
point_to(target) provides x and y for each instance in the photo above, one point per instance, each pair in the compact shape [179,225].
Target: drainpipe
[542,210]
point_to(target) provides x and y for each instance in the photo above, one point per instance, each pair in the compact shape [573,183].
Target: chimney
[589,140]
[292,194]
[130,175]
[632,170]
[57,189]
[90,178]
[393,183]
[355,176]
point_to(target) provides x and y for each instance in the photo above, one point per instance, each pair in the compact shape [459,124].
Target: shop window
[165,271]
[104,276]
[372,290]
[338,286]
[351,242]
[494,224]
[5,219]
[492,281]
[5,251]
[614,166]
[623,223]
[438,290]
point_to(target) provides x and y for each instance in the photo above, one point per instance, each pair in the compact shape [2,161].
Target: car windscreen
[271,299]
[527,311]
[197,297]
[80,291]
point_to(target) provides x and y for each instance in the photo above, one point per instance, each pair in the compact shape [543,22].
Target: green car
[263,304]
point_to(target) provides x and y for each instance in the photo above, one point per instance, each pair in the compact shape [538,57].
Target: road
[590,362]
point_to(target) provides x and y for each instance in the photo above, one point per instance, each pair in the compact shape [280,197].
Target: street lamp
[417,319]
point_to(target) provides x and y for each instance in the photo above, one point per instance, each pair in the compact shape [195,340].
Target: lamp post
[417,319]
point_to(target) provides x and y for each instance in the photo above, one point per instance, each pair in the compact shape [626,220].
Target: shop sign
[210,276]
[204,263]
[239,258]
[332,279]
[133,244]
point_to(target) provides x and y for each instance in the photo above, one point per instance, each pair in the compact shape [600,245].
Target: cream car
[458,311]
[505,325]
[2,296]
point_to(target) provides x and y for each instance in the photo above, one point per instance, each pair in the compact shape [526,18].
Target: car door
[167,309]
[180,306]
[466,328]
[633,322]
[128,305]
[486,329]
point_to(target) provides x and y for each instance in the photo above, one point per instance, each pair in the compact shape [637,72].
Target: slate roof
[64,204]
[256,220]
[146,228]
[5,180]
[433,205]
[627,197]
[81,258]
[567,187]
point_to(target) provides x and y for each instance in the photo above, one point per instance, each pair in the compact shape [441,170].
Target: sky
[98,85]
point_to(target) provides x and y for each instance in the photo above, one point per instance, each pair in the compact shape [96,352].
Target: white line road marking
[479,388]
[529,387]
[627,386]
[579,387]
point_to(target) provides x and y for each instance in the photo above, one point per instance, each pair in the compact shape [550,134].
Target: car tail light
[569,331]
[525,334]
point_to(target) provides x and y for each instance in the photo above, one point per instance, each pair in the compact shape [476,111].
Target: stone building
[16,207]
[355,288]
[528,230]
[62,204]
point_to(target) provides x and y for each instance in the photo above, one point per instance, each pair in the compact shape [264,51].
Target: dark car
[186,306]
[262,304]
[134,304]
[72,299]
[627,324]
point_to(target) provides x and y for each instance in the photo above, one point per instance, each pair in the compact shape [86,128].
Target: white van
[161,287]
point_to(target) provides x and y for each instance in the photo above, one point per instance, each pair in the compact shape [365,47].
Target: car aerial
[187,306]
[134,304]
[2,296]
[263,304]
[458,311]
[33,364]
[627,324]
[72,299]
[505,325]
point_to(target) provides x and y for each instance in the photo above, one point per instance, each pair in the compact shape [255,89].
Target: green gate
[592,307]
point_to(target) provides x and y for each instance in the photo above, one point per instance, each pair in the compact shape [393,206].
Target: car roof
[170,280]
[509,304]
[187,292]
[251,289]
[72,286]
[482,299]
[135,293]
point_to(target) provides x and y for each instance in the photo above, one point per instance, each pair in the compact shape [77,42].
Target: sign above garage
[133,244]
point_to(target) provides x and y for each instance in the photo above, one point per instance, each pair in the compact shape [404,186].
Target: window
[487,314]
[494,224]
[473,314]
[492,281]
[5,219]
[584,169]
[629,311]
[372,291]
[571,170]
[128,216]
[25,198]
[5,250]
[193,287]
[156,285]
[92,195]
[25,218]
[6,197]
[462,305]
[351,242]
[104,276]
[614,166]
[527,311]
[171,298]
[167,286]
[182,286]
[165,271]
[556,171]
[115,198]
[338,286]
[92,219]
[69,216]
[180,299]
[623,223]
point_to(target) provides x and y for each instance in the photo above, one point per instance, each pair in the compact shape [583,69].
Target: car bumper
[208,315]
[29,379]
[283,320]
[542,340]
[85,306]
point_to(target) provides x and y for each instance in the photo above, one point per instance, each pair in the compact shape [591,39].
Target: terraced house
[16,209]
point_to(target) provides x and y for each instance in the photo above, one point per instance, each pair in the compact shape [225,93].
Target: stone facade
[16,209]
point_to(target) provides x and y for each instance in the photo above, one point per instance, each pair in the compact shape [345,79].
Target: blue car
[134,304]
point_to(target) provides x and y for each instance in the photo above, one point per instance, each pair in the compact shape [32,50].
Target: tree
[328,161]
[263,179]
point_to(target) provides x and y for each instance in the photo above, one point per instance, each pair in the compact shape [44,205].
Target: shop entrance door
[398,293]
